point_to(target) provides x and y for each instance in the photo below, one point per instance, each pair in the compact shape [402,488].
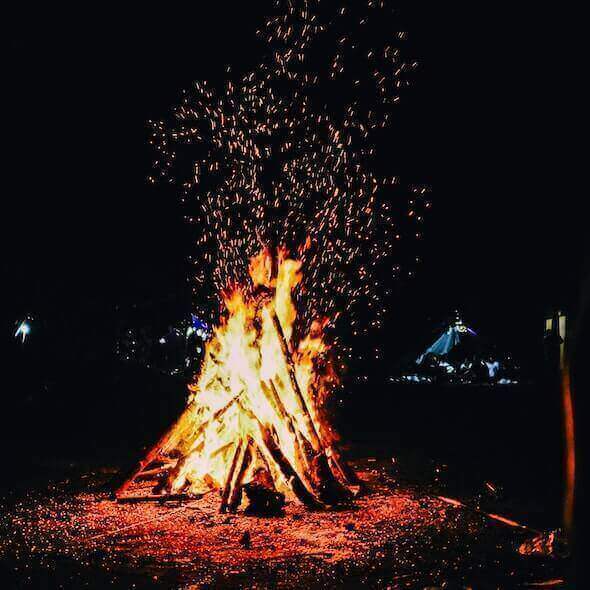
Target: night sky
[483,125]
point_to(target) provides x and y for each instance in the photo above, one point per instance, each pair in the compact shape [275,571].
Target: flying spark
[284,155]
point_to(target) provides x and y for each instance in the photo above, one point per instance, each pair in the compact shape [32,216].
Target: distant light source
[556,323]
[23,330]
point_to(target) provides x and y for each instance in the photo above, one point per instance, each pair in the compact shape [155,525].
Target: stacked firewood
[261,438]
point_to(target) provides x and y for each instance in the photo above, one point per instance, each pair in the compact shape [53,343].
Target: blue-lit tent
[454,335]
[458,356]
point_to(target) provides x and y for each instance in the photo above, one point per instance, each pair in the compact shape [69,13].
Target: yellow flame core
[246,385]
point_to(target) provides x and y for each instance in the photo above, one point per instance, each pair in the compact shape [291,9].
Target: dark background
[484,124]
[88,242]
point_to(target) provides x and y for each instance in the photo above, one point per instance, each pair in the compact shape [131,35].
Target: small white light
[23,330]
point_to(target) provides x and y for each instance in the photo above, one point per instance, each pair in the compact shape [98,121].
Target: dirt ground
[72,535]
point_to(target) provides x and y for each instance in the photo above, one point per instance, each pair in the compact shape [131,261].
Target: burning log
[169,439]
[342,470]
[235,496]
[151,474]
[331,487]
[232,491]
[299,444]
[293,480]
[237,458]
[263,498]
[273,455]
[314,439]
[152,454]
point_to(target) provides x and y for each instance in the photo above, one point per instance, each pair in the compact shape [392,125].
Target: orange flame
[255,379]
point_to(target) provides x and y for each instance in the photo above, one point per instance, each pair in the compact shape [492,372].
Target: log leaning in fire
[298,443]
[343,471]
[170,435]
[289,474]
[346,472]
[301,447]
[273,454]
[335,487]
[235,496]
[196,449]
[237,459]
[315,439]
[153,454]
[152,474]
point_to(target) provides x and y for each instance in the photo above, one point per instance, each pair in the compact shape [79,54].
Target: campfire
[254,425]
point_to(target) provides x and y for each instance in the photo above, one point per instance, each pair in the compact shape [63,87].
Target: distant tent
[459,356]
[453,336]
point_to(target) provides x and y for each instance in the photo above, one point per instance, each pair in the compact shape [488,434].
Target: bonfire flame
[254,414]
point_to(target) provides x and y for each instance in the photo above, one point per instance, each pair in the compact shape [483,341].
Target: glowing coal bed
[393,535]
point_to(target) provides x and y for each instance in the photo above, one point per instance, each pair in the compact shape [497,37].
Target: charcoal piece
[263,501]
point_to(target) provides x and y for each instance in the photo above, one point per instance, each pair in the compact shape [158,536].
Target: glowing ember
[285,153]
[395,536]
[255,412]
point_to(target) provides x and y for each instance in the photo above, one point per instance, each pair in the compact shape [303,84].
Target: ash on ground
[395,535]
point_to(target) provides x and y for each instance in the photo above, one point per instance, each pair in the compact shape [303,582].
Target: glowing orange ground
[391,537]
